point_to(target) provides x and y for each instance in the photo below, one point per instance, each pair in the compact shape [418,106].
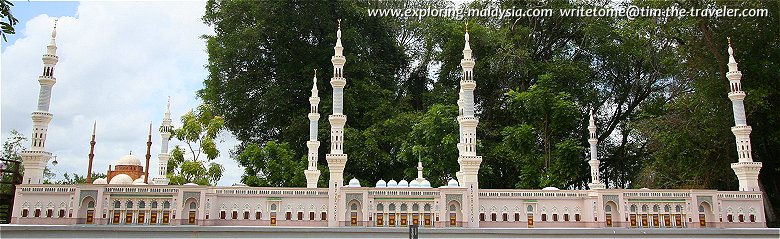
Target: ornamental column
[745,169]
[468,159]
[166,130]
[36,157]
[337,159]
[312,173]
[595,179]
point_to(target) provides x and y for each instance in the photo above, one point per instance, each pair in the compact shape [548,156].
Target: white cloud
[119,62]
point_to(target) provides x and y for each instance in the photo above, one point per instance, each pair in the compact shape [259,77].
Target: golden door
[273,219]
[609,219]
[353,219]
[644,221]
[380,220]
[530,220]
[702,220]
[166,217]
[90,216]
[115,219]
[667,220]
[141,217]
[404,221]
[427,220]
[453,219]
[129,218]
[633,220]
[678,220]
[392,220]
[655,221]
[153,218]
[191,218]
[415,219]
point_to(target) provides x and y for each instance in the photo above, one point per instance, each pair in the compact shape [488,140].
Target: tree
[199,131]
[272,165]
[7,20]
[73,178]
[12,151]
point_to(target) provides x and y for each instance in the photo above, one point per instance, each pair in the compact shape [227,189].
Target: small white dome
[129,160]
[550,188]
[190,184]
[239,185]
[381,184]
[354,183]
[100,181]
[452,183]
[392,184]
[414,184]
[425,184]
[403,184]
[121,179]
[139,181]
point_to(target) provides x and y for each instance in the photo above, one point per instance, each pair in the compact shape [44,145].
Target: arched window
[644,208]
[166,204]
[530,208]
[453,208]
[667,208]
[354,207]
[656,208]
[193,205]
[701,208]
[415,207]
[391,207]
[404,207]
[633,208]
[117,204]
[677,208]
[129,204]
[91,204]
[141,204]
[273,207]
[427,207]
[380,207]
[154,204]
[608,208]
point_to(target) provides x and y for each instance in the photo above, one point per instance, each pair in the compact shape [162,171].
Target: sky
[119,62]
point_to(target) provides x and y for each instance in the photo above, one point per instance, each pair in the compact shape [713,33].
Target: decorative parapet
[292,192]
[47,189]
[534,194]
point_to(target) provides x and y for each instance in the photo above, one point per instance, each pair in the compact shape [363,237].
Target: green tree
[272,165]
[12,151]
[73,178]
[199,131]
[7,20]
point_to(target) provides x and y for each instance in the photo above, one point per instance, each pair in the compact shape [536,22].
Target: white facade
[393,204]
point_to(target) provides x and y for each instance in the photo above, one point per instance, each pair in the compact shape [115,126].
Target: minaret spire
[468,159]
[148,154]
[745,169]
[337,159]
[166,131]
[595,179]
[312,173]
[36,157]
[91,153]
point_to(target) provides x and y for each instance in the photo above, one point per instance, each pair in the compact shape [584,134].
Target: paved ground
[91,231]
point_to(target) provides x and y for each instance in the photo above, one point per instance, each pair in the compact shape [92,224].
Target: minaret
[746,170]
[312,173]
[420,177]
[336,158]
[468,159]
[91,154]
[35,158]
[595,180]
[166,130]
[148,154]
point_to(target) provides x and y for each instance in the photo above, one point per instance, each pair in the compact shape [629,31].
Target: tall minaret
[91,154]
[35,158]
[595,179]
[336,158]
[746,170]
[468,160]
[312,173]
[148,154]
[166,130]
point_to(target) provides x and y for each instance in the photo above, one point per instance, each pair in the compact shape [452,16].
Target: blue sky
[118,64]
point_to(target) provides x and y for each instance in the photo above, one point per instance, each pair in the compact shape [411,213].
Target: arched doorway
[87,210]
[353,213]
[705,212]
[453,209]
[191,210]
[611,211]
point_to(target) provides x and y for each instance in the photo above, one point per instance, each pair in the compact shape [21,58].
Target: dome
[452,183]
[381,184]
[100,181]
[392,184]
[129,160]
[403,184]
[550,188]
[425,184]
[121,179]
[354,183]
[414,184]
[239,185]
[139,181]
[190,184]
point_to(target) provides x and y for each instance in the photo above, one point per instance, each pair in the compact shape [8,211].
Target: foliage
[73,178]
[272,165]
[7,20]
[199,131]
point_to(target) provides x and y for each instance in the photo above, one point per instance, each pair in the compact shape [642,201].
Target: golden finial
[339,23]
[467,26]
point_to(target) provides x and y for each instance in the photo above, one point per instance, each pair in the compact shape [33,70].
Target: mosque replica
[128,197]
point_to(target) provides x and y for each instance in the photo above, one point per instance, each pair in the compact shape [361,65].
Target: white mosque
[127,197]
